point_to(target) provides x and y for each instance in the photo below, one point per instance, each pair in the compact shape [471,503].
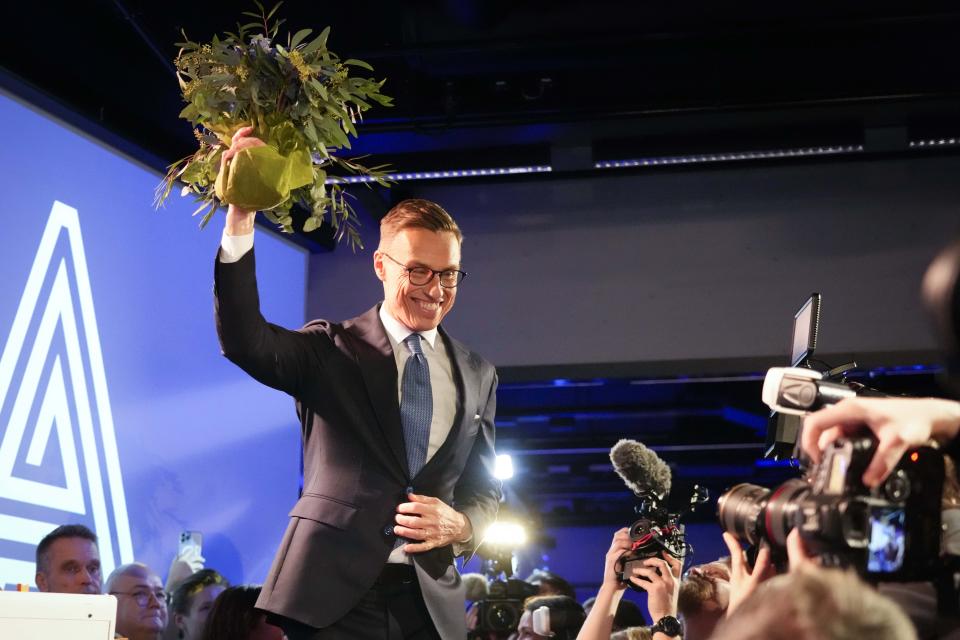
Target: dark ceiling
[473,78]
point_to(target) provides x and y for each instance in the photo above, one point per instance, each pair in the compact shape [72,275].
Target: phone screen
[887,540]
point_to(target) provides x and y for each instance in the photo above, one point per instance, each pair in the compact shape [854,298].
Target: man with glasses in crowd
[141,602]
[397,426]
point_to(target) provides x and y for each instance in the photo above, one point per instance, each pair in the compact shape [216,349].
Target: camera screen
[887,540]
[805,325]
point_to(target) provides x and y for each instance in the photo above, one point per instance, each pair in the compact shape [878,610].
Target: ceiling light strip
[703,158]
[933,143]
[445,174]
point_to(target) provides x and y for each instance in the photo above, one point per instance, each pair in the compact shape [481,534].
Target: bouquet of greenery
[301,101]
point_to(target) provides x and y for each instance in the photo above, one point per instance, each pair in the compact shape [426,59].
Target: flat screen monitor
[806,324]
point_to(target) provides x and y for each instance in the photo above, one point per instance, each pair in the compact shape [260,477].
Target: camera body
[656,531]
[649,540]
[889,533]
[500,611]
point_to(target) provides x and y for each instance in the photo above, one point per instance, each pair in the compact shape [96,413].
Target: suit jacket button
[388,530]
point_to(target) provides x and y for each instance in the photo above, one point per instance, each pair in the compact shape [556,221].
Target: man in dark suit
[397,424]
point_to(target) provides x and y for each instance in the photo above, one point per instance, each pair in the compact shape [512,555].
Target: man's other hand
[431,522]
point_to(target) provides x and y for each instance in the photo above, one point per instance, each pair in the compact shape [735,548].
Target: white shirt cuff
[232,248]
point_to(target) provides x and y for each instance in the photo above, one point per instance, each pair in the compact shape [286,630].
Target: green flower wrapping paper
[261,179]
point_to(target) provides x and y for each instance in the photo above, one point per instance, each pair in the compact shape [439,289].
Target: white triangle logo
[70,403]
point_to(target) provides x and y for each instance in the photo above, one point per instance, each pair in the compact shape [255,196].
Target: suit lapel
[466,378]
[379,370]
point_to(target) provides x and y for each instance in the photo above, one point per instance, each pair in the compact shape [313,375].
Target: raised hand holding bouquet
[300,100]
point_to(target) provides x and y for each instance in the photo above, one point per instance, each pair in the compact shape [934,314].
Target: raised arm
[275,356]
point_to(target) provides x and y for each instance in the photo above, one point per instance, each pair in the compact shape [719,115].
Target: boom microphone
[641,469]
[799,391]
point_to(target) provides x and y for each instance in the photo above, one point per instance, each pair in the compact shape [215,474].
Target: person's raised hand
[239,221]
[897,423]
[186,563]
[743,579]
[662,586]
[241,140]
[797,552]
[618,546]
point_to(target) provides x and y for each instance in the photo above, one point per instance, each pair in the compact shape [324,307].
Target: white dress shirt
[441,375]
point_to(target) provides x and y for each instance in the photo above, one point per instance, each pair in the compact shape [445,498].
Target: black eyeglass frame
[433,273]
[142,597]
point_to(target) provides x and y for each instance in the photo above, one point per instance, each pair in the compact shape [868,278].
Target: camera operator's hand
[743,579]
[599,622]
[797,553]
[664,586]
[619,546]
[897,423]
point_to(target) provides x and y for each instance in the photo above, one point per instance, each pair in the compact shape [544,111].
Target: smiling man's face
[421,307]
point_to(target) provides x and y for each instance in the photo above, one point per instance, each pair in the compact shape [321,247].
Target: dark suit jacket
[344,379]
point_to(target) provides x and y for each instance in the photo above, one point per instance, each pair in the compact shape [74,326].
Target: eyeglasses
[419,276]
[142,596]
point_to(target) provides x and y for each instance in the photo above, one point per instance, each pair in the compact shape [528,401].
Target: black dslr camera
[500,611]
[890,533]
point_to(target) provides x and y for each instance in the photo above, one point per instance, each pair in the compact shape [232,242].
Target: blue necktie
[416,405]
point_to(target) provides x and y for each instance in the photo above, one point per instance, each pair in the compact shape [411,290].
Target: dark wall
[695,264]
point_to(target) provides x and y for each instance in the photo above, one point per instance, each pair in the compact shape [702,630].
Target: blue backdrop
[116,408]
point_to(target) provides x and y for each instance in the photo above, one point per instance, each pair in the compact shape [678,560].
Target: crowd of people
[193,605]
[734,597]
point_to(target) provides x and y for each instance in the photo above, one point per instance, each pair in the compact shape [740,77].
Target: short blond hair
[811,603]
[632,633]
[417,214]
[695,592]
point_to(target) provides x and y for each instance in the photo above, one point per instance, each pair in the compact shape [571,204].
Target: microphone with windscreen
[641,469]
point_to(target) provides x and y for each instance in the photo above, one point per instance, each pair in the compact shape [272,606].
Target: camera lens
[753,513]
[897,486]
[502,617]
[781,506]
[740,510]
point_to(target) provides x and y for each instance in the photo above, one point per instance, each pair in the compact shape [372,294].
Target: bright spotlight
[503,470]
[505,534]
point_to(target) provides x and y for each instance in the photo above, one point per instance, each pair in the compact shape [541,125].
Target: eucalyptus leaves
[301,100]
